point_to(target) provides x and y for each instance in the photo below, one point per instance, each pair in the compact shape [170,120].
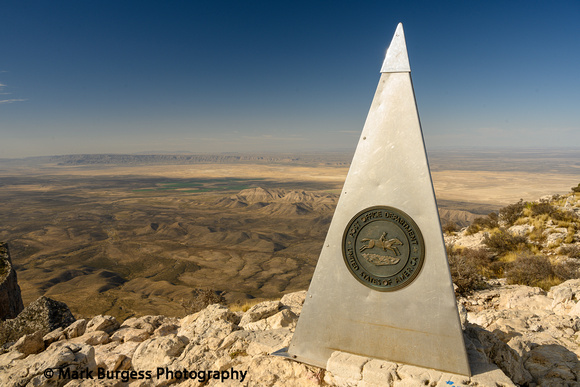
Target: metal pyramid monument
[382,286]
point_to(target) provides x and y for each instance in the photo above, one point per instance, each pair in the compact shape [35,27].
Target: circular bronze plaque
[383,248]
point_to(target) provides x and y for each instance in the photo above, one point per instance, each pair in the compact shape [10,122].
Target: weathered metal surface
[414,324]
[397,59]
[383,248]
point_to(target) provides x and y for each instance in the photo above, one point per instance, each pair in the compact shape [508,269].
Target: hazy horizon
[504,150]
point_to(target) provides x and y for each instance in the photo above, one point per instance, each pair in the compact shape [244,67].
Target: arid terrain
[135,235]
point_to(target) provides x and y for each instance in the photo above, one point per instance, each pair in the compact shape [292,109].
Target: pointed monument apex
[397,60]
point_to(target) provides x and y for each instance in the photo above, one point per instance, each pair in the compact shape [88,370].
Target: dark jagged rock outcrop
[44,315]
[10,298]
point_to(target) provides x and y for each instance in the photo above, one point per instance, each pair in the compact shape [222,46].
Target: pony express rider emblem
[383,248]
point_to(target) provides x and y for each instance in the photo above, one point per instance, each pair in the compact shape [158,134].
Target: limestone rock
[92,338]
[10,298]
[500,354]
[148,323]
[51,337]
[44,315]
[524,297]
[158,351]
[59,355]
[274,371]
[294,301]
[553,365]
[29,344]
[521,230]
[263,342]
[131,334]
[102,323]
[283,319]
[76,329]
[464,240]
[214,322]
[556,236]
[260,311]
[114,356]
[166,329]
[524,337]
[565,295]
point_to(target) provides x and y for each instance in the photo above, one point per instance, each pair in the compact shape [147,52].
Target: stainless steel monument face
[382,286]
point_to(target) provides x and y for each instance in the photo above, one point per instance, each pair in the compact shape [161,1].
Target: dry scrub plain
[131,239]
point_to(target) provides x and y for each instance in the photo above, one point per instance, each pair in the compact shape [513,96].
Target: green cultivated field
[203,185]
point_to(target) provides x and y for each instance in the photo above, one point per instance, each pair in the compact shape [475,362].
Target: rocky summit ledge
[515,335]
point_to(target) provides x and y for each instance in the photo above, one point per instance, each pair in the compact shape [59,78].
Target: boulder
[283,319]
[44,315]
[499,353]
[106,324]
[260,311]
[51,337]
[76,329]
[158,351]
[60,355]
[294,301]
[115,356]
[29,344]
[553,365]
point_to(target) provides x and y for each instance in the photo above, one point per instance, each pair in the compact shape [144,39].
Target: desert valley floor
[126,237]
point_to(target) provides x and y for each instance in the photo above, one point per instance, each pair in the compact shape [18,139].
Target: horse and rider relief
[384,243]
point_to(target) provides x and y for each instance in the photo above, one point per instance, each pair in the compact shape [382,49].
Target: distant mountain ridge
[100,159]
[281,202]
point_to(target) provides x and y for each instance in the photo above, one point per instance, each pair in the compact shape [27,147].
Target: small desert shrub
[566,270]
[483,222]
[570,251]
[501,242]
[481,258]
[512,212]
[542,207]
[498,268]
[465,274]
[565,216]
[201,299]
[449,227]
[531,270]
[237,353]
[576,189]
[468,267]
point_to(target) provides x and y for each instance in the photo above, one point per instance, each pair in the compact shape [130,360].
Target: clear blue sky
[221,76]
